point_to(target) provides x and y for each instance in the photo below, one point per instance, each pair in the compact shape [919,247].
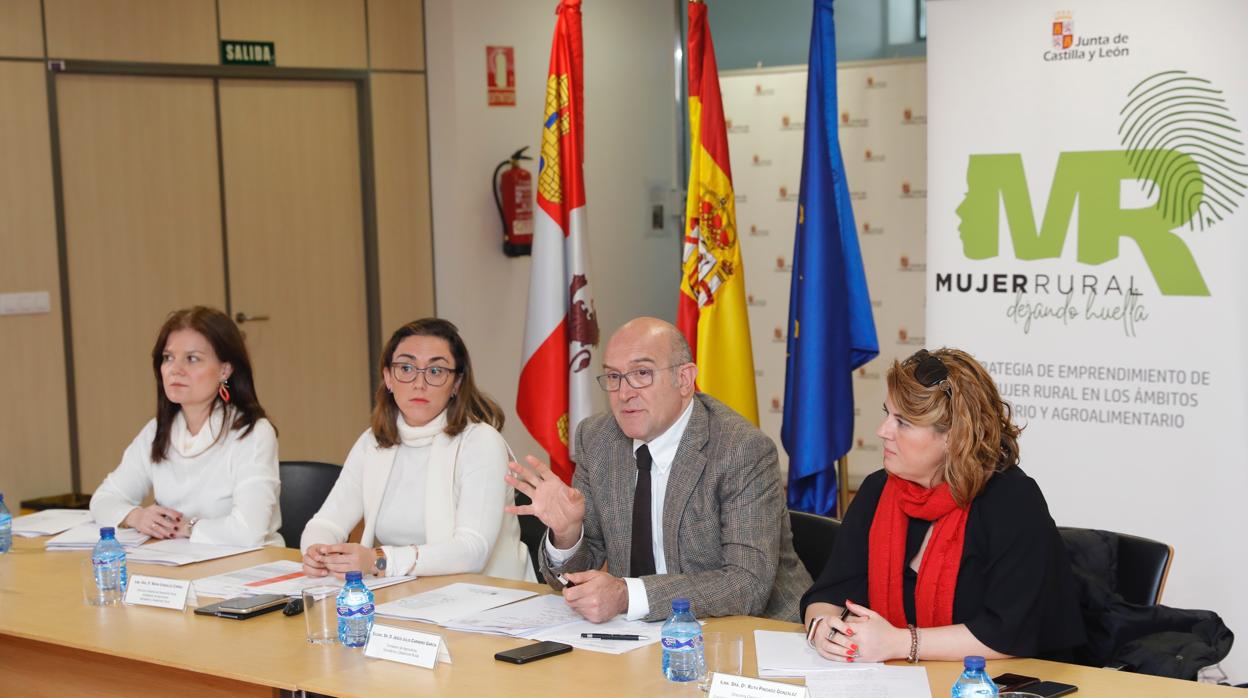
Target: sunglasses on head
[929,370]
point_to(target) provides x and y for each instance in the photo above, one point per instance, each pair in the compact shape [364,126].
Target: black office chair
[531,531]
[1141,564]
[305,485]
[813,536]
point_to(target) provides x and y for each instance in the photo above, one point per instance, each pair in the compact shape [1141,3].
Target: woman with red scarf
[949,550]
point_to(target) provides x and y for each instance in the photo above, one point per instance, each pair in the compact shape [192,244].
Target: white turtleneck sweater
[230,485]
[389,488]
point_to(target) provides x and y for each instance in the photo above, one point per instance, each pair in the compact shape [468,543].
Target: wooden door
[143,237]
[294,224]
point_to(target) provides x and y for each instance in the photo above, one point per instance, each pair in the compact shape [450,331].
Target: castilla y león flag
[561,330]
[711,312]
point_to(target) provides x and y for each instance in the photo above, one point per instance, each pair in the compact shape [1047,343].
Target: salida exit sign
[248,52]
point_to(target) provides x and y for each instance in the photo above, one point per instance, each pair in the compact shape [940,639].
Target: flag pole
[842,491]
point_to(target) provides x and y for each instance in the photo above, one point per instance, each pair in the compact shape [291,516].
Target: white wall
[630,142]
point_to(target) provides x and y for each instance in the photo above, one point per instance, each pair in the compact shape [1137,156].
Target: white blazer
[361,487]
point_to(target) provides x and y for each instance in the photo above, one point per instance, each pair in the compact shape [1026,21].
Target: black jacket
[1156,640]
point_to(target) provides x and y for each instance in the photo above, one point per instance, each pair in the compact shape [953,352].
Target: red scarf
[901,501]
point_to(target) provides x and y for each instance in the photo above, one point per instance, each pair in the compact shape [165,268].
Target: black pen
[612,636]
[844,615]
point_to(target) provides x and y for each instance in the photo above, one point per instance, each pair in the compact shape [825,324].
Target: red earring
[224,391]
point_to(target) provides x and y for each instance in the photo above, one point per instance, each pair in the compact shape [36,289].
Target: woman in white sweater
[210,455]
[427,477]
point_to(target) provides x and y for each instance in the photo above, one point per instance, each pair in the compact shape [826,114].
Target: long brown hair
[227,343]
[467,404]
[983,438]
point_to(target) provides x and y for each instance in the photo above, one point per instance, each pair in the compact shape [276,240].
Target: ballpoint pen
[612,636]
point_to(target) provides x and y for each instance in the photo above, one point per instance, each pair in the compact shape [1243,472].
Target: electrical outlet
[31,303]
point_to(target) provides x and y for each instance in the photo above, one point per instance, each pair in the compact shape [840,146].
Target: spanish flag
[712,312]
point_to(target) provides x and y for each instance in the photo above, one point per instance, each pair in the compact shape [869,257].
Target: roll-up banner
[1087,241]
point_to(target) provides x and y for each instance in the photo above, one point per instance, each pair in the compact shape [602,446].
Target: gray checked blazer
[726,536]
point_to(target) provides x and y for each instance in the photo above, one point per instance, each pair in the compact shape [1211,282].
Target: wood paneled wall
[34,445]
[21,29]
[386,36]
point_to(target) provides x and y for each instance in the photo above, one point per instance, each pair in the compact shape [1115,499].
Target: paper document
[180,551]
[458,600]
[570,633]
[85,536]
[280,577]
[876,682]
[520,619]
[50,522]
[788,655]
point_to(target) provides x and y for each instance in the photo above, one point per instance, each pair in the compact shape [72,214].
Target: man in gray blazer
[716,530]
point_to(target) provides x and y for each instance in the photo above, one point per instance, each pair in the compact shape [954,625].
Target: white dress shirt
[662,452]
[229,483]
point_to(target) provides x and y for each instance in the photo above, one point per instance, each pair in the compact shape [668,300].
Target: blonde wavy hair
[983,438]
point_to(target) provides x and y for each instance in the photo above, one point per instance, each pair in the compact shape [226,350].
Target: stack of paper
[458,600]
[180,551]
[50,522]
[520,619]
[785,655]
[281,577]
[879,682]
[476,608]
[85,536]
[570,633]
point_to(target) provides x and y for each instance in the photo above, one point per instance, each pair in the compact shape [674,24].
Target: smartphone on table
[534,652]
[243,607]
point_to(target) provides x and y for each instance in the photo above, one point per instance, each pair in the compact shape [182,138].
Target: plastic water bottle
[6,527]
[974,681]
[682,644]
[355,612]
[109,561]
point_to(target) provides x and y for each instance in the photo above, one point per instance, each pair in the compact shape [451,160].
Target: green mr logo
[1180,142]
[1094,179]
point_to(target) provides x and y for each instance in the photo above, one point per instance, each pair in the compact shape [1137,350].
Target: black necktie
[642,562]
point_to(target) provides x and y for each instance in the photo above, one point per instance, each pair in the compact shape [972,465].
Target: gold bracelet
[914,644]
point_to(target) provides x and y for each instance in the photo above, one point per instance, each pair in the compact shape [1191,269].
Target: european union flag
[831,330]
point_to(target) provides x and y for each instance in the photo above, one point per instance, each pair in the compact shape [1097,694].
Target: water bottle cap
[679,605]
[973,662]
[354,576]
[107,532]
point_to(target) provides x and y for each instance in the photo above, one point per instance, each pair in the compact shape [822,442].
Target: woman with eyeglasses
[949,550]
[427,476]
[209,457]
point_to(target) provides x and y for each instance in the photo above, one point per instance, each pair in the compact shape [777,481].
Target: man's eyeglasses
[435,376]
[929,370]
[637,378]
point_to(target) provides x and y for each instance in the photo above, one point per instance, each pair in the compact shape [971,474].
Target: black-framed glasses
[435,376]
[637,378]
[929,370]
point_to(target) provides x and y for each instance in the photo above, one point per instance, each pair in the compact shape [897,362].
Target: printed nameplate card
[729,686]
[406,646]
[157,591]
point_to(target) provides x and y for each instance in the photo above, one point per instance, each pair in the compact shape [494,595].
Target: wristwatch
[380,562]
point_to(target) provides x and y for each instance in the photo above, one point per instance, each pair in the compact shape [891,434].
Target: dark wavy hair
[227,343]
[468,405]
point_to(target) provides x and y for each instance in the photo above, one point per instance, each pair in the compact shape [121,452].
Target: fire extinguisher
[513,194]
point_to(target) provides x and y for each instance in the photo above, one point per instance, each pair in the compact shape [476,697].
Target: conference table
[51,643]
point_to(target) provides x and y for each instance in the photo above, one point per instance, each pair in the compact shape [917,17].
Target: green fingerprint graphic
[1174,112]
